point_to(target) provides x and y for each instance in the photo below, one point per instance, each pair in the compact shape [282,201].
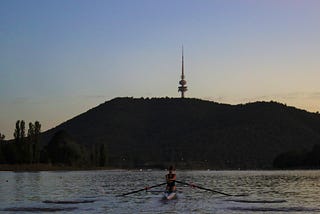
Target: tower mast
[182,88]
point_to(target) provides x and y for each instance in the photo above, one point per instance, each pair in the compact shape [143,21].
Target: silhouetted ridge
[193,133]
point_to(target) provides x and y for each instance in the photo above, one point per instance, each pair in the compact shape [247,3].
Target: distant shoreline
[47,167]
[50,167]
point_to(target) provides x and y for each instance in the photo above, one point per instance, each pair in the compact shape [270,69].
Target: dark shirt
[170,183]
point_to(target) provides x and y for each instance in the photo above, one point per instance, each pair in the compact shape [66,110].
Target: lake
[96,191]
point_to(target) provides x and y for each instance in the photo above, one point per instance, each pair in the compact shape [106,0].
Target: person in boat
[171,180]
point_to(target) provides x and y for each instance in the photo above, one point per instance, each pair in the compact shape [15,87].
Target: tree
[22,130]
[2,137]
[103,158]
[94,155]
[29,144]
[33,142]
[27,149]
[2,159]
[18,148]
[16,133]
[37,128]
[36,142]
[62,149]
[312,159]
[31,131]
[23,147]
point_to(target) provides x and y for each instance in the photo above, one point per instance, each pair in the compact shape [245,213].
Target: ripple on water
[69,202]
[275,209]
[258,201]
[39,209]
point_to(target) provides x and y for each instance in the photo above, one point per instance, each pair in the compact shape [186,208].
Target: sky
[61,58]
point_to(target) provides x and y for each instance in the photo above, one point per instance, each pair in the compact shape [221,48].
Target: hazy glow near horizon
[61,58]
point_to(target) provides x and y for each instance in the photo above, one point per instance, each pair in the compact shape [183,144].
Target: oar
[139,190]
[199,187]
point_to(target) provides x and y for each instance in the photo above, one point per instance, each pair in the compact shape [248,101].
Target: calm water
[95,192]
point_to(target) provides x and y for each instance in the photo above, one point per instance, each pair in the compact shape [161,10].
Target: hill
[193,133]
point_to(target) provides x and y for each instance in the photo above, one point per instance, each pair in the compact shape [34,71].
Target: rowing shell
[169,195]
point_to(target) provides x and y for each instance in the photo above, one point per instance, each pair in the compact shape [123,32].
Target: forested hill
[193,133]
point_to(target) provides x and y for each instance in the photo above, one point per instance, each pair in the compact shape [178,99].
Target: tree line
[299,159]
[62,149]
[25,147]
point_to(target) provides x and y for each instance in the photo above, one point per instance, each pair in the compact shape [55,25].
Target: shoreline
[48,167]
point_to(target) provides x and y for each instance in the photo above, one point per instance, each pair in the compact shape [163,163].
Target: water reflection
[27,185]
[95,191]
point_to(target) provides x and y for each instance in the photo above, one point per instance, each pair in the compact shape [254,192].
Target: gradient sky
[60,58]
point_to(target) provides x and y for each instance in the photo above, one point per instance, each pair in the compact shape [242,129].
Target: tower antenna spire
[182,88]
[182,75]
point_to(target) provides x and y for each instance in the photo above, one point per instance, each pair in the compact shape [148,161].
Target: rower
[171,180]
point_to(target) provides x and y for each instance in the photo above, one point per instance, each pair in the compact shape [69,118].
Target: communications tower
[182,88]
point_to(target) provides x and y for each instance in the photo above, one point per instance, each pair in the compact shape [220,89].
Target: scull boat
[169,195]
